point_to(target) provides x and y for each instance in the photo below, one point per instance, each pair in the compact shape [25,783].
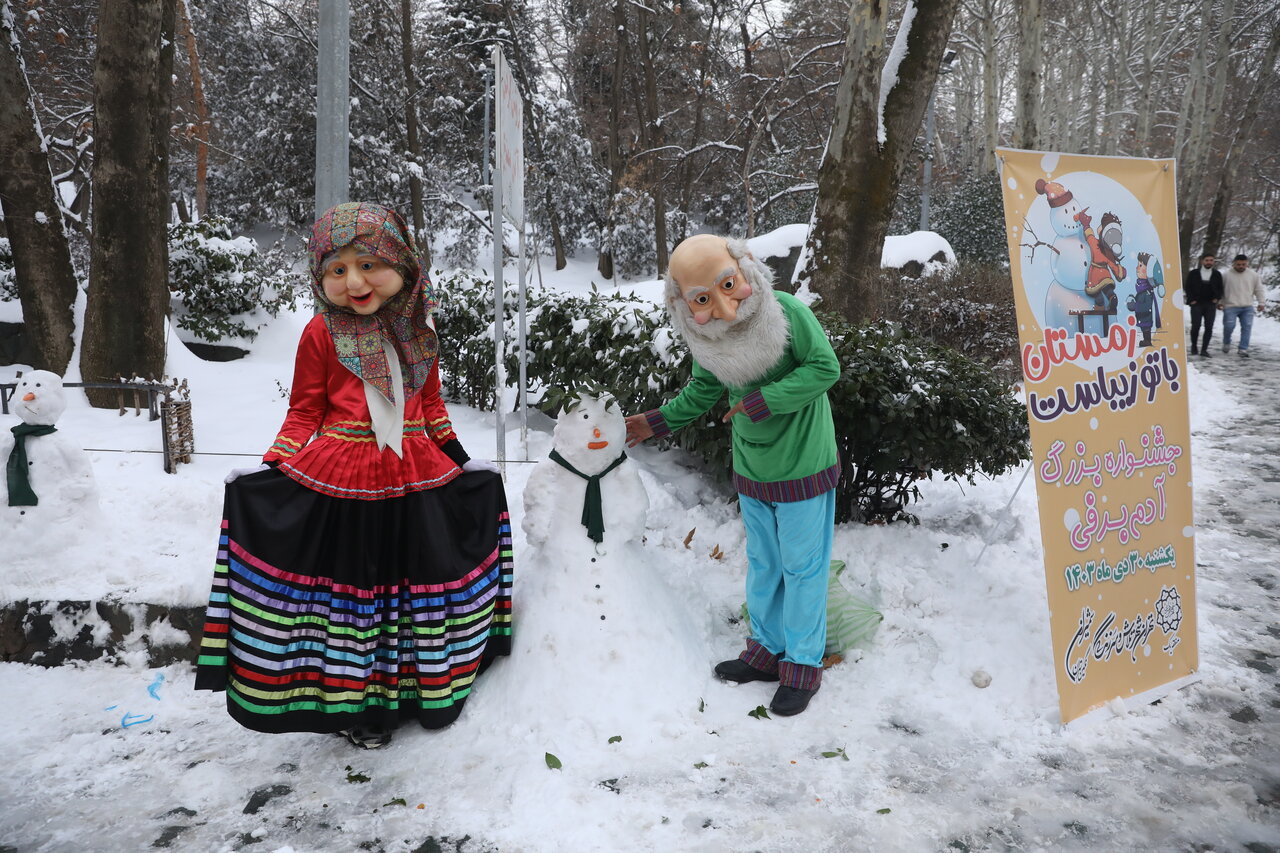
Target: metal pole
[333,105]
[928,165]
[497,220]
[524,341]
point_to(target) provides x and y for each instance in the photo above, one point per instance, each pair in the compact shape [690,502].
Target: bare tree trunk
[124,332]
[990,88]
[46,279]
[411,140]
[1145,110]
[1026,132]
[655,138]
[685,181]
[1203,131]
[859,177]
[605,264]
[1244,128]
[1113,38]
[202,109]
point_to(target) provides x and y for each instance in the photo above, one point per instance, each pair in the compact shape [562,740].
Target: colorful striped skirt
[328,613]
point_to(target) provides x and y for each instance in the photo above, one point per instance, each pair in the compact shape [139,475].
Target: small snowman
[565,497]
[48,479]
[599,619]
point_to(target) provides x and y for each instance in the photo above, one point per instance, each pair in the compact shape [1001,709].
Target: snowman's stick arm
[1027,229]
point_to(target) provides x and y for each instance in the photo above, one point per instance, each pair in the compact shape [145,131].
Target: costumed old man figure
[769,352]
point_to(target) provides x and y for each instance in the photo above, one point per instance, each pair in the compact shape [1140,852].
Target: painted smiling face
[359,281]
[39,398]
[590,433]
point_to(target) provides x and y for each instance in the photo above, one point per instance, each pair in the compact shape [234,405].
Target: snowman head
[590,432]
[39,399]
[1063,208]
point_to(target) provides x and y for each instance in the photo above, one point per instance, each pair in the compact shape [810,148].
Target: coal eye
[585,416]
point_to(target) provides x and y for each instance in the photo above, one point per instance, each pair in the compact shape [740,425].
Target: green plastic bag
[850,620]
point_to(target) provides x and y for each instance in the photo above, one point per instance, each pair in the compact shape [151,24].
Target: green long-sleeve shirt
[784,447]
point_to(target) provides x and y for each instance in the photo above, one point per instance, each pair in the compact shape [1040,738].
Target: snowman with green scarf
[595,598]
[565,500]
[48,479]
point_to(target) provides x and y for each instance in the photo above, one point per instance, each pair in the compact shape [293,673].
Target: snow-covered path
[899,751]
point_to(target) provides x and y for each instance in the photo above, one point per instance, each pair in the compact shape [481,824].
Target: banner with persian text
[1093,250]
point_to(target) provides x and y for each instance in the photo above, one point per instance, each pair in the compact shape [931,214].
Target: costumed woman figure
[364,571]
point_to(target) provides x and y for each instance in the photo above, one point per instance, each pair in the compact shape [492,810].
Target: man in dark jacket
[1203,289]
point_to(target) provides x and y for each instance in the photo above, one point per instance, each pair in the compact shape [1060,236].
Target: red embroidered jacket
[326,442]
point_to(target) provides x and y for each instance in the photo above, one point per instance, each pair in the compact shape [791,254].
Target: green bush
[8,278]
[968,308]
[904,407]
[219,278]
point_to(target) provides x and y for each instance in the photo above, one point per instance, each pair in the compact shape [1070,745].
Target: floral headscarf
[404,320]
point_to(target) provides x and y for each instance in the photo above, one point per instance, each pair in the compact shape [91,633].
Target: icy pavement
[899,751]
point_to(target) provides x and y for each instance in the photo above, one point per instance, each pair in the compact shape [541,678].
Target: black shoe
[1194,352]
[1205,354]
[366,738]
[741,672]
[1244,353]
[789,701]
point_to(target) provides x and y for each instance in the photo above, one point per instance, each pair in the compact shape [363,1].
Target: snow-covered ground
[899,751]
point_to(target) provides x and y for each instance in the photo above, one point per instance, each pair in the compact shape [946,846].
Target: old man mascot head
[722,303]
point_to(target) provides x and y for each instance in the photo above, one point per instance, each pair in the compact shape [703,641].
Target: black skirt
[328,613]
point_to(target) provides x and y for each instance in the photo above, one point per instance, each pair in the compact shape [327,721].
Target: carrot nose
[596,432]
[31,395]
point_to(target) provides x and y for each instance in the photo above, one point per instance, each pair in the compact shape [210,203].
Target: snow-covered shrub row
[8,279]
[621,343]
[904,407]
[218,278]
[968,308]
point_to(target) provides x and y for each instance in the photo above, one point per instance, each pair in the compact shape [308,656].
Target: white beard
[741,352]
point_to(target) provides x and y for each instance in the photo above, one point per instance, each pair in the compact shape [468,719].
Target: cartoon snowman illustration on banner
[1084,266]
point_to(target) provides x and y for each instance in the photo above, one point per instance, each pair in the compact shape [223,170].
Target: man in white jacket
[1241,288]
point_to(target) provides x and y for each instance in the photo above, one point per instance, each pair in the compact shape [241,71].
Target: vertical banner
[1094,256]
[509,136]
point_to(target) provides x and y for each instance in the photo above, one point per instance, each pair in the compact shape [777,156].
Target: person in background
[1241,288]
[1202,291]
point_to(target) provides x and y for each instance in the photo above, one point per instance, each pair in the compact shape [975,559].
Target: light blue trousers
[1243,313]
[788,563]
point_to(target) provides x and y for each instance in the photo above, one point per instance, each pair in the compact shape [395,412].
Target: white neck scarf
[388,418]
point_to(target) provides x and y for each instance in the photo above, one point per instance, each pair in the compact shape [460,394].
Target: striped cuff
[755,407]
[657,423]
[789,491]
[801,677]
[758,657]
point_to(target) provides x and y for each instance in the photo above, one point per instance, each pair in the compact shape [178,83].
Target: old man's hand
[638,429]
